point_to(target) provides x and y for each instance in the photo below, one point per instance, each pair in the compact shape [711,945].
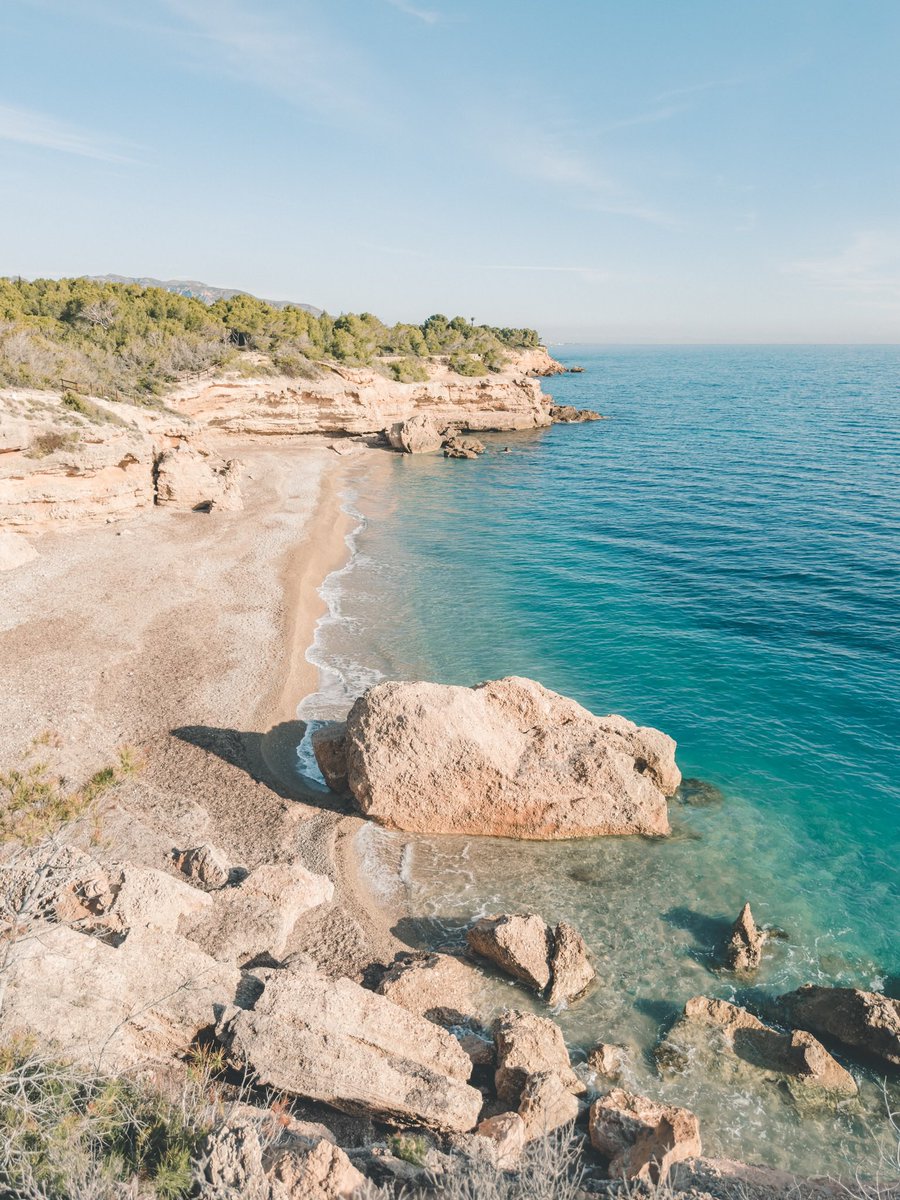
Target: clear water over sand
[720,559]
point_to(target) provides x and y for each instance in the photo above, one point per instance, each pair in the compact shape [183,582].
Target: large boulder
[642,1139]
[334,1041]
[529,1045]
[864,1021]
[743,952]
[258,915]
[507,758]
[546,1104]
[194,478]
[725,1038]
[113,1006]
[571,972]
[416,435]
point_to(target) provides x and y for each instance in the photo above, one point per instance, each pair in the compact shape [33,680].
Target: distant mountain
[198,290]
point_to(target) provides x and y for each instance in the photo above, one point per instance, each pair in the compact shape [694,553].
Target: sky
[602,170]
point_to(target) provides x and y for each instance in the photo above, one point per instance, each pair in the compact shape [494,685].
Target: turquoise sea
[720,559]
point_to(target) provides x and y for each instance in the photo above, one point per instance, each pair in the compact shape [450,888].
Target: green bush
[467,364]
[409,370]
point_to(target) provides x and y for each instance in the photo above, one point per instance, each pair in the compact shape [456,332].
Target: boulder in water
[642,1139]
[743,953]
[508,758]
[864,1021]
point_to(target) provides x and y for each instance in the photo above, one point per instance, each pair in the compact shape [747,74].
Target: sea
[719,558]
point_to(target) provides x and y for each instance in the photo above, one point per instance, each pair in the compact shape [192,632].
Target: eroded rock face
[320,1172]
[529,1045]
[518,943]
[435,986]
[508,758]
[193,478]
[114,1006]
[329,743]
[743,954]
[640,1138]
[718,1028]
[334,1041]
[864,1021]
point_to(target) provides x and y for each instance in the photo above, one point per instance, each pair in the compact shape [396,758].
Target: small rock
[323,1172]
[546,1104]
[743,953]
[608,1060]
[566,414]
[640,1138]
[529,1045]
[463,447]
[205,866]
[518,943]
[570,969]
[508,1133]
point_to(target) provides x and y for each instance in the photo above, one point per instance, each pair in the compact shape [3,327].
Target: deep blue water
[720,559]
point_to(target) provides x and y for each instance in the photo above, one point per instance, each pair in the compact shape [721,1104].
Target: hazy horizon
[641,174]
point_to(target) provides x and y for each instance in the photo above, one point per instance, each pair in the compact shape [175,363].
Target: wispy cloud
[426,15]
[301,64]
[868,268]
[30,128]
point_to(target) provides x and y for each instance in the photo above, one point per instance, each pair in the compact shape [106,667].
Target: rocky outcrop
[565,414]
[727,1038]
[507,758]
[867,1022]
[523,945]
[529,1045]
[641,1139]
[435,986]
[743,953]
[334,1041]
[463,447]
[15,551]
[113,1006]
[362,400]
[518,943]
[194,478]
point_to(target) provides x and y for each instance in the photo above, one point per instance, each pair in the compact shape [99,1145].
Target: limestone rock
[321,1172]
[231,1165]
[865,1021]
[608,1060]
[190,477]
[518,943]
[435,986]
[743,953]
[417,435]
[114,1006]
[717,1028]
[258,915]
[205,866]
[640,1138]
[329,745]
[546,1104]
[565,414]
[529,1045]
[15,551]
[508,1133]
[570,968]
[463,447]
[334,1041]
[507,758]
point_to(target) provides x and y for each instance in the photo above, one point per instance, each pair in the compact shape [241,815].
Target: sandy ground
[184,635]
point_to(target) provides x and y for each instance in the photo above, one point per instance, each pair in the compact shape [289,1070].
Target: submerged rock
[508,758]
[640,1138]
[334,1041]
[718,1028]
[565,414]
[743,953]
[463,447]
[865,1021]
[608,1060]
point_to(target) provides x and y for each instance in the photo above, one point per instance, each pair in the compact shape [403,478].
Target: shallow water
[719,559]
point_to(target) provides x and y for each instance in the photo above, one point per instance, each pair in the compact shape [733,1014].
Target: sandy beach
[184,635]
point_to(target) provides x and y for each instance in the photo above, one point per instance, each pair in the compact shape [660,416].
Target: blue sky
[637,170]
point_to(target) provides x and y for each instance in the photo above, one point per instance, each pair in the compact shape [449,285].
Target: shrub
[409,370]
[52,442]
[466,364]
